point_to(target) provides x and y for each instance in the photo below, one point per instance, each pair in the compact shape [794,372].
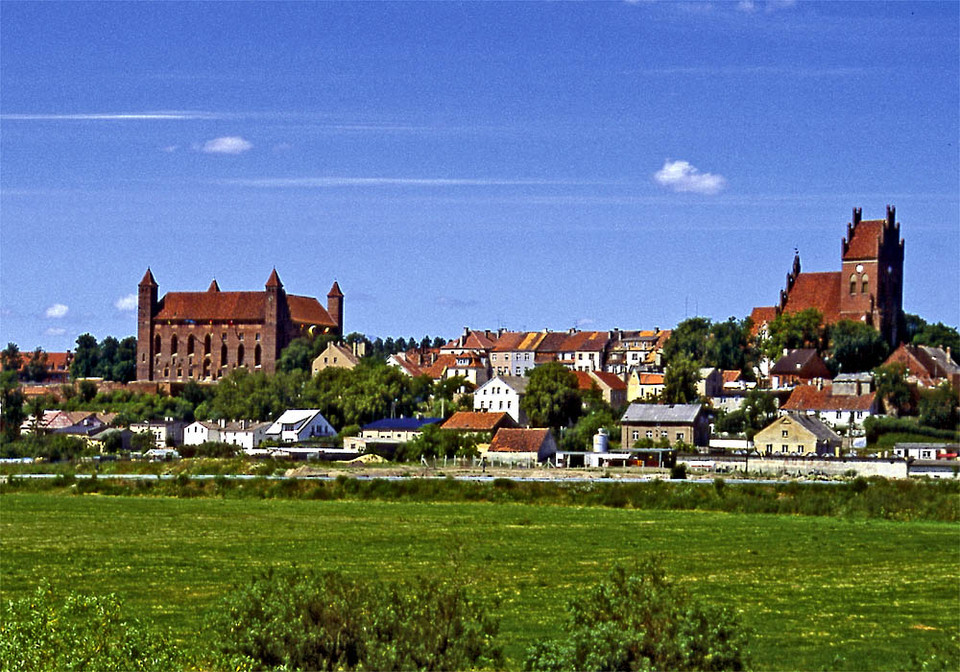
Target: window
[635,434]
[223,336]
[853,284]
[240,355]
[173,344]
[679,436]
[785,433]
[206,344]
[223,355]
[257,337]
[800,448]
[664,433]
[784,448]
[649,434]
[864,283]
[190,343]
[157,344]
[240,336]
[256,355]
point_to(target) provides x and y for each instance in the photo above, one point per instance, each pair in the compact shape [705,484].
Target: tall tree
[856,346]
[938,407]
[11,405]
[892,389]
[11,359]
[36,368]
[794,330]
[680,382]
[688,341]
[939,335]
[552,398]
[729,347]
[85,358]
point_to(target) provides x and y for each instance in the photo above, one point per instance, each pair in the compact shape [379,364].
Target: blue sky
[522,165]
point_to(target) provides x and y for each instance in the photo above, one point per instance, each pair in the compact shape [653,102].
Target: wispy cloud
[126,303]
[57,311]
[120,116]
[327,182]
[230,144]
[681,176]
[55,331]
[453,302]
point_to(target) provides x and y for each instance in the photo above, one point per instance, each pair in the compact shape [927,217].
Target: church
[203,336]
[868,288]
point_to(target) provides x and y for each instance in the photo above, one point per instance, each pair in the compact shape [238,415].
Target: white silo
[601,441]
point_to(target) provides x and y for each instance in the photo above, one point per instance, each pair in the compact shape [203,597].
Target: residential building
[711,382]
[611,387]
[204,335]
[926,451]
[642,386]
[336,356]
[837,410]
[467,421]
[299,425]
[927,366]
[246,434]
[166,433]
[399,430]
[677,423]
[521,446]
[797,367]
[868,288]
[797,434]
[502,394]
[636,350]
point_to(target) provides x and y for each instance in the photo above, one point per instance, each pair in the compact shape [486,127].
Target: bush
[79,632]
[678,472]
[642,621]
[325,621]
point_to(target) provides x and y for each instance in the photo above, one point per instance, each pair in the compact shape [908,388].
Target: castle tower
[273,339]
[335,306]
[871,279]
[146,309]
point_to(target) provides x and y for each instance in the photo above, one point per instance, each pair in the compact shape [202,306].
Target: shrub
[640,620]
[678,472]
[298,619]
[79,632]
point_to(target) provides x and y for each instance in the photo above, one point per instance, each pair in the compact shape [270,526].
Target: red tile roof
[476,422]
[866,240]
[809,398]
[307,310]
[762,315]
[518,440]
[730,376]
[584,380]
[816,290]
[335,290]
[650,378]
[611,380]
[238,307]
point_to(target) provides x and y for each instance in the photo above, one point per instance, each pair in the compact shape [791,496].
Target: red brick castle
[204,335]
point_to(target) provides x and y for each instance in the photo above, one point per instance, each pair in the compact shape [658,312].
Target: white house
[245,433]
[298,425]
[502,394]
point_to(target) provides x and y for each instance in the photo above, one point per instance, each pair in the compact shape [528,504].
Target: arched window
[206,344]
[853,284]
[190,344]
[206,368]
[223,355]
[864,283]
[173,344]
[256,355]
[240,355]
[157,345]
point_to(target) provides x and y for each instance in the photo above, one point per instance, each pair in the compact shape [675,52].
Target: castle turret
[146,309]
[273,341]
[335,306]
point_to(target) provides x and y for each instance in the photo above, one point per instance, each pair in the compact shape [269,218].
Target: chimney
[222,422]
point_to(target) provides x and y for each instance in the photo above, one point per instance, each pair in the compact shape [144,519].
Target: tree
[788,331]
[892,389]
[680,382]
[939,335]
[300,353]
[759,410]
[11,405]
[10,358]
[728,346]
[688,341]
[305,620]
[125,366]
[856,346]
[938,407]
[36,368]
[86,357]
[580,436]
[640,620]
[552,398]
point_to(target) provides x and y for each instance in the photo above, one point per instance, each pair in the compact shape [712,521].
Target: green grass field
[811,588]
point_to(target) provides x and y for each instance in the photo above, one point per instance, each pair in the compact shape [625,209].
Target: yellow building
[796,435]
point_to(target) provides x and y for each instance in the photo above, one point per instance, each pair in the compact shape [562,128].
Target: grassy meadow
[816,591]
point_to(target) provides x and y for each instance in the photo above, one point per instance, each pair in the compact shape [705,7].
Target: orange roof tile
[866,240]
[809,398]
[518,440]
[307,310]
[651,378]
[611,380]
[730,376]
[584,381]
[477,422]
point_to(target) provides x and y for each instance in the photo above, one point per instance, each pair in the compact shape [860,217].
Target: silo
[601,441]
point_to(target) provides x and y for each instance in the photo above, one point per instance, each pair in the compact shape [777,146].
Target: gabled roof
[307,310]
[611,380]
[340,350]
[810,398]
[401,424]
[472,340]
[662,413]
[649,378]
[730,377]
[517,383]
[816,290]
[519,440]
[810,423]
[217,306]
[943,364]
[865,243]
[803,362]
[402,362]
[299,418]
[476,422]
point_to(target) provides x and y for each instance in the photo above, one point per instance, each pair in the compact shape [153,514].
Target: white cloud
[128,302]
[55,331]
[231,144]
[57,310]
[681,176]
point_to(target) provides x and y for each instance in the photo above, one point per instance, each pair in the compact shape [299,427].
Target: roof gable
[510,440]
[816,290]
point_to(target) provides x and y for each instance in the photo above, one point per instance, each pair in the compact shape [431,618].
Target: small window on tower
[864,283]
[853,284]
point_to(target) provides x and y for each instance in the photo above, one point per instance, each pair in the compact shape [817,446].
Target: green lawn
[811,588]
